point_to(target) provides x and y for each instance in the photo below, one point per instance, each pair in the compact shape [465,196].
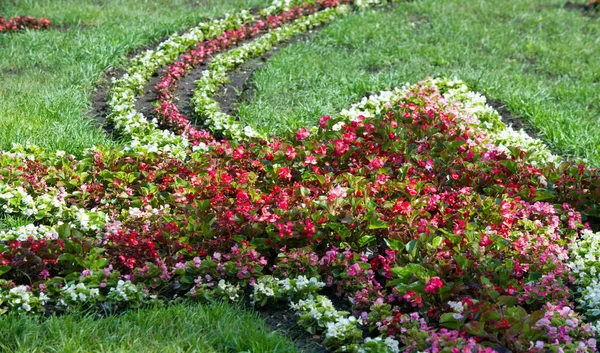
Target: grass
[179,328]
[537,58]
[47,77]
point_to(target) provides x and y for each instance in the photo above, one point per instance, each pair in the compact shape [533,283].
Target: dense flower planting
[15,24]
[433,233]
[431,224]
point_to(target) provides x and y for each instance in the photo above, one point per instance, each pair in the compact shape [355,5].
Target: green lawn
[180,328]
[47,77]
[540,60]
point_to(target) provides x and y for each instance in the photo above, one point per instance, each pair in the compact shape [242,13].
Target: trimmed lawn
[47,77]
[179,328]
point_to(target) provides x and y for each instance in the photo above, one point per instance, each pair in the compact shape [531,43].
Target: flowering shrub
[15,24]
[584,264]
[316,312]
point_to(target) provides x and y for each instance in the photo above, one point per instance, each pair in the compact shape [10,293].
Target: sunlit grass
[179,328]
[47,77]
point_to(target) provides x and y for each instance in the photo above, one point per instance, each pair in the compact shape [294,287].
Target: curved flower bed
[167,112]
[417,208]
[208,110]
[15,24]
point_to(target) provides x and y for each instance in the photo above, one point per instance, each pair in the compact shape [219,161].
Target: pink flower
[433,285]
[44,274]
[290,153]
[310,160]
[302,134]
[353,270]
[337,192]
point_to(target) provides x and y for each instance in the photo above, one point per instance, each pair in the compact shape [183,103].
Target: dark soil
[229,95]
[280,317]
[99,97]
[240,87]
[99,101]
[510,119]
[588,10]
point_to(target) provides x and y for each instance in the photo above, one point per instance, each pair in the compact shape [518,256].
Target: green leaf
[4,269]
[406,273]
[541,194]
[516,152]
[461,261]
[394,244]
[485,281]
[64,231]
[475,328]
[490,315]
[448,320]
[411,247]
[437,241]
[102,263]
[510,165]
[366,240]
[507,300]
[378,224]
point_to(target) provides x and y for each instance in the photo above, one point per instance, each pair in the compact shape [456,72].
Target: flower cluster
[144,134]
[363,203]
[15,24]
[223,290]
[318,313]
[79,294]
[20,298]
[167,112]
[584,263]
[271,288]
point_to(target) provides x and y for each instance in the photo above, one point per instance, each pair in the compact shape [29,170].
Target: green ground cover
[537,58]
[179,328]
[47,77]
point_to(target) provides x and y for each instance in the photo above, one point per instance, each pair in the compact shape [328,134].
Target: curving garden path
[437,227]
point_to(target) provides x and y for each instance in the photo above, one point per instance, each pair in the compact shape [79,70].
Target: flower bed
[15,24]
[438,227]
[434,234]
[168,114]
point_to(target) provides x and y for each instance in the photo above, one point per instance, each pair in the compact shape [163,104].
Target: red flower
[284,173]
[290,153]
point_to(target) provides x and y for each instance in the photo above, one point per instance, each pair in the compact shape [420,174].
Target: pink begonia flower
[302,134]
[323,121]
[337,192]
[433,285]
